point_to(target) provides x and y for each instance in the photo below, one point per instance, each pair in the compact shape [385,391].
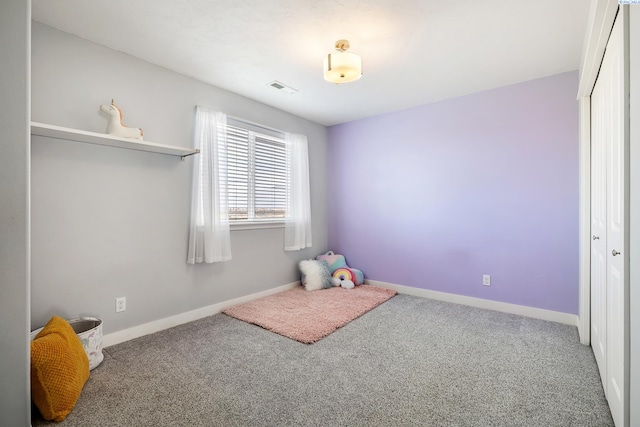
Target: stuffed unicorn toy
[116,127]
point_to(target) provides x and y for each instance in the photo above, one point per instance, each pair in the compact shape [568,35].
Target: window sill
[252,225]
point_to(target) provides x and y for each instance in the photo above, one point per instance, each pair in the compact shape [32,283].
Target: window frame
[262,133]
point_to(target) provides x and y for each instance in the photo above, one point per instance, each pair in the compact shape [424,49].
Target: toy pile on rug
[329,270]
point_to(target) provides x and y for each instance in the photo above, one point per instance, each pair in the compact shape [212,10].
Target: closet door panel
[616,307]
[608,209]
[600,119]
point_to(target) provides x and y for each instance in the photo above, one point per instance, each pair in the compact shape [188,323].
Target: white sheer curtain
[297,231]
[209,239]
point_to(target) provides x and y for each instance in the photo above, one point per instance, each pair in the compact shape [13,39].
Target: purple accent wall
[435,196]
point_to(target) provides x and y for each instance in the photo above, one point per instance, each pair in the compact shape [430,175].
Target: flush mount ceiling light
[343,66]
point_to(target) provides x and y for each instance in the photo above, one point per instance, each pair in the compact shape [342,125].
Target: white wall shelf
[60,132]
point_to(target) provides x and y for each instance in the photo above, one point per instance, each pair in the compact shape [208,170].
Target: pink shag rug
[309,316]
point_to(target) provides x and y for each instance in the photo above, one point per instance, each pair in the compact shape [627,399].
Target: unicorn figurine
[116,127]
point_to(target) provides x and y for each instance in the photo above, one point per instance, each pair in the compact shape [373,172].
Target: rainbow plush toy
[340,270]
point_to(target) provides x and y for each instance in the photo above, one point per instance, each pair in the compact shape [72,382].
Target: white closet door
[599,135]
[608,289]
[616,306]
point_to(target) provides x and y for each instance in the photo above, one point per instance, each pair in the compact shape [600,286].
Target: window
[246,176]
[257,175]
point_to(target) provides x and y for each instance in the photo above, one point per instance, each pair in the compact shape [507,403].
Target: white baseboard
[179,319]
[536,313]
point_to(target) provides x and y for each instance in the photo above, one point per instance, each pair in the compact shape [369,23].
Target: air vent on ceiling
[283,87]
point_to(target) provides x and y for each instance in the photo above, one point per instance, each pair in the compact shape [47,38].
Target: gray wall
[108,222]
[15,17]
[634,250]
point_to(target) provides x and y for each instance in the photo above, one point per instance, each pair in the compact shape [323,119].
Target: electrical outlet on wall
[121,304]
[486,280]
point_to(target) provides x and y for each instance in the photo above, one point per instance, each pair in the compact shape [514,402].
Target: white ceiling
[414,51]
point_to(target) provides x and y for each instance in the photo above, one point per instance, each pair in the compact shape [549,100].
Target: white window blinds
[257,175]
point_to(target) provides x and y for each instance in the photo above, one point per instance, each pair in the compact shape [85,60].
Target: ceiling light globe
[342,67]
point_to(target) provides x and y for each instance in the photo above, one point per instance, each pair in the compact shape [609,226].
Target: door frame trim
[584,313]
